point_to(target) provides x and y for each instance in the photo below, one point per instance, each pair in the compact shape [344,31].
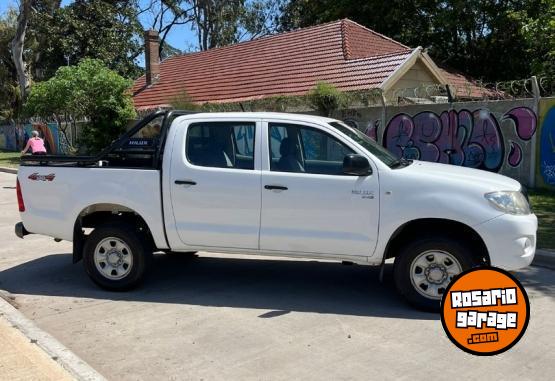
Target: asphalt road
[231,317]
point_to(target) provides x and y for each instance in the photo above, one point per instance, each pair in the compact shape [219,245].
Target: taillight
[20,202]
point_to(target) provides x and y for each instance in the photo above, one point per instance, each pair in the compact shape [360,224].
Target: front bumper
[20,230]
[510,240]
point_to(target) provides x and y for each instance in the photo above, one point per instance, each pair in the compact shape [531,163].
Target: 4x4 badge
[35,176]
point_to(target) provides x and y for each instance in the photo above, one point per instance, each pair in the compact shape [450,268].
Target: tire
[116,257]
[425,266]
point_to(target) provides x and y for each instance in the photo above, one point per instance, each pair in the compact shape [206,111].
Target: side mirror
[356,165]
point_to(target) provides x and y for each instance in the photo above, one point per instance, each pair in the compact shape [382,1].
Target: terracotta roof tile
[462,86]
[342,53]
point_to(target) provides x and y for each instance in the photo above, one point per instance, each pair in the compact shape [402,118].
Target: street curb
[8,170]
[544,258]
[76,367]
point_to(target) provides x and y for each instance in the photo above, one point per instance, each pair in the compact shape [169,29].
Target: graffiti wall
[494,136]
[546,151]
[9,138]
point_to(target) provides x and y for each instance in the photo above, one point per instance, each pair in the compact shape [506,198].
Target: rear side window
[221,144]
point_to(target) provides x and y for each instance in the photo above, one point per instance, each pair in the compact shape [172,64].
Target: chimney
[152,60]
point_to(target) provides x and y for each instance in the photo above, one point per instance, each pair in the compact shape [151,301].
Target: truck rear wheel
[425,267]
[116,257]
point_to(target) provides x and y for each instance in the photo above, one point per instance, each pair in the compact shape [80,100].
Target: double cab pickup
[273,184]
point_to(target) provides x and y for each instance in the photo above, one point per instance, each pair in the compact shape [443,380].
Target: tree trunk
[18,45]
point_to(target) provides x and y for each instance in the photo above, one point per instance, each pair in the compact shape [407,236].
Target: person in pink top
[36,144]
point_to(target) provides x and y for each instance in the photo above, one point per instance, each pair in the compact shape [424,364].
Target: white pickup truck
[273,184]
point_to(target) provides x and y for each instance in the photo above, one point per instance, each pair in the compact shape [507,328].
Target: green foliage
[88,91]
[539,33]
[287,103]
[184,102]
[108,31]
[489,40]
[326,98]
[223,22]
[543,204]
[9,91]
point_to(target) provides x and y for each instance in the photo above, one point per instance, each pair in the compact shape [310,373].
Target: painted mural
[9,138]
[547,142]
[494,136]
[49,132]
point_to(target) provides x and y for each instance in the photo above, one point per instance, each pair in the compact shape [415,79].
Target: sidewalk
[29,353]
[20,359]
[9,169]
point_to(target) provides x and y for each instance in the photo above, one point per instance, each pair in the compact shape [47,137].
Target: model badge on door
[363,193]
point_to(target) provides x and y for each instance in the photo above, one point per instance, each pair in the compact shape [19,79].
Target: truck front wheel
[116,257]
[425,267]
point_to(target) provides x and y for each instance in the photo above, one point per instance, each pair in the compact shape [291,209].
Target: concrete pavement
[22,360]
[234,317]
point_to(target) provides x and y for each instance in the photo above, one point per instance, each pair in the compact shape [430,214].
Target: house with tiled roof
[343,53]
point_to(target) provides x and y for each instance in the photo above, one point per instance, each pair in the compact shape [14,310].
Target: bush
[326,98]
[89,91]
[184,101]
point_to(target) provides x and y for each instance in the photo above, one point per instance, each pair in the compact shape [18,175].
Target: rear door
[308,204]
[215,184]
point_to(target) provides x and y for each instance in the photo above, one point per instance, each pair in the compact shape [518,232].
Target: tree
[539,32]
[480,37]
[164,16]
[108,31]
[224,22]
[18,46]
[9,91]
[88,91]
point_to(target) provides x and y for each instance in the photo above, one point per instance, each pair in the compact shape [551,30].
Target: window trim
[299,126]
[232,122]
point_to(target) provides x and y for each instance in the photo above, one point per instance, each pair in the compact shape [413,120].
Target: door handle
[185,182]
[277,187]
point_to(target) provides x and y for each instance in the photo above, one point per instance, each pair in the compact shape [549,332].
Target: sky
[180,37]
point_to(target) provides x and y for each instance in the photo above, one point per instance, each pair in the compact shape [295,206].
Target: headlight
[509,202]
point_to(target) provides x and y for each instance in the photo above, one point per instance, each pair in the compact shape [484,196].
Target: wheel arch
[102,213]
[437,226]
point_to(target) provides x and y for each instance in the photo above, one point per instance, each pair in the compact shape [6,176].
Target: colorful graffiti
[547,147]
[467,138]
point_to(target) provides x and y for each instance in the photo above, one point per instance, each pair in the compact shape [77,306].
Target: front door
[215,185]
[308,204]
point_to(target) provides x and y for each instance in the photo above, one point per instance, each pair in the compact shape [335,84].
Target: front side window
[301,149]
[221,144]
[370,145]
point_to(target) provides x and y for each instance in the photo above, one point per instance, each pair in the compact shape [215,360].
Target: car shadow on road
[281,286]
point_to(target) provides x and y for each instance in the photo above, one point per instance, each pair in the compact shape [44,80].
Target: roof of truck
[257,115]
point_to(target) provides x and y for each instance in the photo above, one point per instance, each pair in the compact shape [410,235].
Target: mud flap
[78,242]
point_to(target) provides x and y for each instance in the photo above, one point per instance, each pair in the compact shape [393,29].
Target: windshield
[370,145]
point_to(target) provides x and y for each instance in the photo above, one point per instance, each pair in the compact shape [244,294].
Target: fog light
[527,245]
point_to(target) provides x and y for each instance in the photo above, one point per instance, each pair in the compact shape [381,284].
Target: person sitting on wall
[36,144]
